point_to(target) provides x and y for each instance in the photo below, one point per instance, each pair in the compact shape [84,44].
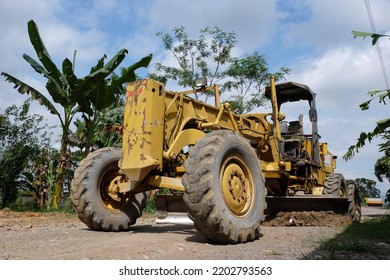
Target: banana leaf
[24,88]
[93,90]
[68,74]
[129,75]
[42,52]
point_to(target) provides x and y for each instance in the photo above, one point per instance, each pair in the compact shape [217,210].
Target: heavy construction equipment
[228,170]
[374,201]
[374,198]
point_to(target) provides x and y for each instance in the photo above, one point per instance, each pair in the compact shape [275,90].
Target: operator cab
[297,147]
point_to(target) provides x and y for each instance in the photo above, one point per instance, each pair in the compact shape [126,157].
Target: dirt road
[62,237]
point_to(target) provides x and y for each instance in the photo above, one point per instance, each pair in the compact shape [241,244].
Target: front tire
[89,193]
[224,188]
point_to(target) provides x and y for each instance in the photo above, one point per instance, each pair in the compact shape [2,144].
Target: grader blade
[275,204]
[171,209]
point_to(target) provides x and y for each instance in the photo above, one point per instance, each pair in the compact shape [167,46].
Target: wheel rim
[106,180]
[237,186]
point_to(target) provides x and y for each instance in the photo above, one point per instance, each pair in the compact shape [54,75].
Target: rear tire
[224,188]
[354,208]
[335,185]
[89,193]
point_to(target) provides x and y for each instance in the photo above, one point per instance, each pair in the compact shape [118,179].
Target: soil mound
[307,218]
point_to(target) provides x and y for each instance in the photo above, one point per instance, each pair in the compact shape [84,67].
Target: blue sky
[312,38]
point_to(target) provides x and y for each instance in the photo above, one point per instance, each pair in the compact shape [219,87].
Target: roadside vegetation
[369,240]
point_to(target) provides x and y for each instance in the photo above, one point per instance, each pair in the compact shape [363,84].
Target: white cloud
[341,78]
[332,21]
[253,21]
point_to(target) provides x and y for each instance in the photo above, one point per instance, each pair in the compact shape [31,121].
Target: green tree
[12,164]
[365,186]
[382,165]
[202,57]
[87,95]
[23,142]
[248,77]
[382,128]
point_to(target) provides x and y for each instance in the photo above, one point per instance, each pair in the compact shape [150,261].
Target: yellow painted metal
[165,182]
[217,96]
[324,148]
[143,130]
[318,191]
[160,126]
[271,166]
[237,186]
[180,169]
[285,165]
[181,110]
[374,201]
[184,138]
[275,111]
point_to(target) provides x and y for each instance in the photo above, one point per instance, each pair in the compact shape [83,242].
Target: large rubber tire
[335,185]
[354,206]
[224,188]
[89,193]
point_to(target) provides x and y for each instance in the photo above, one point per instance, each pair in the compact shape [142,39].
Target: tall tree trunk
[63,164]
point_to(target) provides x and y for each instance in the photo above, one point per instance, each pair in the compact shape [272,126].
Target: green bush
[66,205]
[150,206]
[24,203]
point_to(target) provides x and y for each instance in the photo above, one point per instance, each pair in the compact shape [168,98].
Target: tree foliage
[382,126]
[248,77]
[23,144]
[205,56]
[374,36]
[365,186]
[382,165]
[210,56]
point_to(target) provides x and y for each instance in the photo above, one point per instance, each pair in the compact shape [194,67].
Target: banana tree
[87,95]
[101,91]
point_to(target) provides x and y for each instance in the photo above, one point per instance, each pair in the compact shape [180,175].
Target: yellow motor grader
[228,170]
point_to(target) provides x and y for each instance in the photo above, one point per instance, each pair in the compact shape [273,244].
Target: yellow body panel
[160,125]
[143,130]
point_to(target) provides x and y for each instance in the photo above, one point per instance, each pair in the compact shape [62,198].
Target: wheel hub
[113,189]
[237,187]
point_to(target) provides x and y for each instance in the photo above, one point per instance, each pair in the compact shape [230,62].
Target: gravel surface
[56,236]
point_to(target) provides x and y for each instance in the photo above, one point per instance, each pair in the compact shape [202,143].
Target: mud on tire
[354,204]
[89,193]
[224,188]
[335,185]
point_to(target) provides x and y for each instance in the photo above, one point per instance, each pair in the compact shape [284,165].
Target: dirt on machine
[224,171]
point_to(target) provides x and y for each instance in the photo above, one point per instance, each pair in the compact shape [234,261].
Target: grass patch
[367,240]
[150,206]
[375,229]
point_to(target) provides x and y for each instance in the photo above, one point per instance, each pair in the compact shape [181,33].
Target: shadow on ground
[369,240]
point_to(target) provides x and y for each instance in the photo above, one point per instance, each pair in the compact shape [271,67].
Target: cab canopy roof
[291,92]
